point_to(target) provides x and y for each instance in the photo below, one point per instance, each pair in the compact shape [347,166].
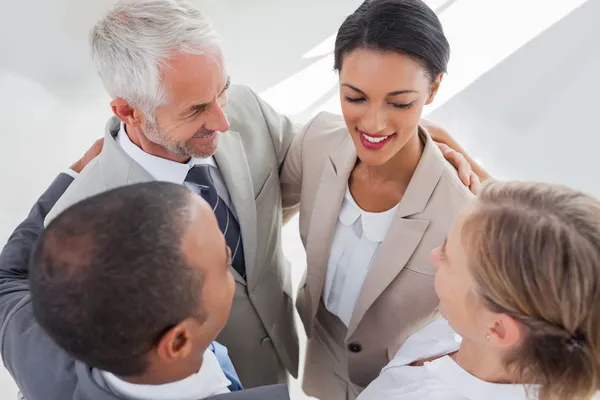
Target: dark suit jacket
[42,370]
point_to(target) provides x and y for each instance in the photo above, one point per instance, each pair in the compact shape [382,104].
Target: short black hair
[109,277]
[402,26]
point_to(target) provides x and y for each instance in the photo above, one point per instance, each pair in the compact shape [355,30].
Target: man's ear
[129,115]
[176,343]
[435,86]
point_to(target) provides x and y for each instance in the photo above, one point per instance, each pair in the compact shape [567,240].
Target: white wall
[533,115]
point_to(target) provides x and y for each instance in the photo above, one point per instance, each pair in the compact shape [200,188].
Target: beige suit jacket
[397,296]
[260,334]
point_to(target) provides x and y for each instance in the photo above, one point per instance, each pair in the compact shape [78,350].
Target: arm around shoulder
[14,257]
[28,353]
[440,135]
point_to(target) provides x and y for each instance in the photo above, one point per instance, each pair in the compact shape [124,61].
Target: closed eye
[196,110]
[355,99]
[359,100]
[404,106]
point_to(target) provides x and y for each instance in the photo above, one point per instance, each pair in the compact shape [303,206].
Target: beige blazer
[260,334]
[397,296]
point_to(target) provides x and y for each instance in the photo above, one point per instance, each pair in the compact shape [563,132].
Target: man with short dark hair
[127,292]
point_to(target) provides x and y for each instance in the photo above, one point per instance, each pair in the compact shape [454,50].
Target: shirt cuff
[71,173]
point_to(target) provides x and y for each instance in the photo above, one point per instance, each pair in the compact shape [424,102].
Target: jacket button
[354,348]
[265,340]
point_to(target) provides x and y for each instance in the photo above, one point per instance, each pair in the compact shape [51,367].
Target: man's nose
[217,120]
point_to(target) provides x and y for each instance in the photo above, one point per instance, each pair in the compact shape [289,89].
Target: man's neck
[153,376]
[138,138]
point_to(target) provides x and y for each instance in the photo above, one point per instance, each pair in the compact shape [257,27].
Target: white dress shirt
[355,243]
[208,381]
[441,379]
[162,169]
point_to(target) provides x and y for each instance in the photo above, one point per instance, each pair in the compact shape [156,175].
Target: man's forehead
[194,77]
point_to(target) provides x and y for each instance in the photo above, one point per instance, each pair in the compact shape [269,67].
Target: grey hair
[133,43]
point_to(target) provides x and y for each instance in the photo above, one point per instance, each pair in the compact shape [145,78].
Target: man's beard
[185,148]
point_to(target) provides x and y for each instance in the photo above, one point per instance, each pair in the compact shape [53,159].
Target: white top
[162,169]
[355,243]
[208,381]
[441,379]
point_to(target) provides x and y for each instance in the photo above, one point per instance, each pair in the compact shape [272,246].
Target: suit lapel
[328,202]
[405,233]
[119,169]
[233,165]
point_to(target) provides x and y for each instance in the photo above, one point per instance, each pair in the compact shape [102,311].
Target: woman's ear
[505,331]
[435,86]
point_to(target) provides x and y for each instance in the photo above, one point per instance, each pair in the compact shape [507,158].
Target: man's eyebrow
[198,108]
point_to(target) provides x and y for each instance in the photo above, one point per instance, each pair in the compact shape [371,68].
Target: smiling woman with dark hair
[376,196]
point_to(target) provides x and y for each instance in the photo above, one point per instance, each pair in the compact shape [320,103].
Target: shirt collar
[374,225]
[446,370]
[161,169]
[438,338]
[208,381]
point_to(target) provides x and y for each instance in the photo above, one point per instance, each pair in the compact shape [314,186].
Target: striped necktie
[200,176]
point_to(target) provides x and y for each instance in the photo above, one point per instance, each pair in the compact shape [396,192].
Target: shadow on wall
[530,116]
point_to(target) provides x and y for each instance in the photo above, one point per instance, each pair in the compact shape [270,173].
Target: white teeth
[375,139]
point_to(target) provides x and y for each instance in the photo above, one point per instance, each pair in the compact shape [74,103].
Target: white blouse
[441,379]
[355,243]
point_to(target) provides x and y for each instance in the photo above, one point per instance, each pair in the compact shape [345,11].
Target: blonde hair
[534,251]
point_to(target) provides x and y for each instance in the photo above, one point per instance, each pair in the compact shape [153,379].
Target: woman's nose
[375,120]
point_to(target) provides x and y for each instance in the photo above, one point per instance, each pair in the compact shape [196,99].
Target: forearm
[14,258]
[21,339]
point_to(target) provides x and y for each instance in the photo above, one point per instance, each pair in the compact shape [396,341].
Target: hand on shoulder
[89,155]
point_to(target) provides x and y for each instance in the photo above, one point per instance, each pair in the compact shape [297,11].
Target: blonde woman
[519,280]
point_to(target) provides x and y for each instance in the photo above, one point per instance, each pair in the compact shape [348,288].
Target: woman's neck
[401,167]
[482,362]
[379,188]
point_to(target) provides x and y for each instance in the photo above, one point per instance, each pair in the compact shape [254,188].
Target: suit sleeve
[290,175]
[26,350]
[274,392]
[283,134]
